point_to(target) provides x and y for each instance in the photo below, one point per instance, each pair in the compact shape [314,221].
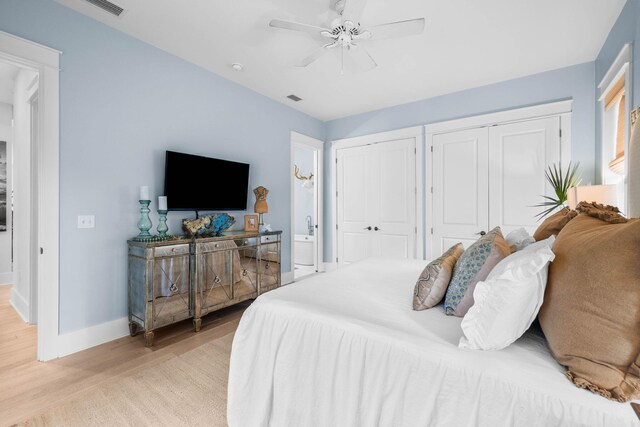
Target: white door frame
[300,140]
[45,61]
[562,109]
[416,132]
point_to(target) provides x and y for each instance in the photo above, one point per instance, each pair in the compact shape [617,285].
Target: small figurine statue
[261,200]
[261,206]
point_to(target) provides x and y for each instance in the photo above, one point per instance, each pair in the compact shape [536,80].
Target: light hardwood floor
[29,387]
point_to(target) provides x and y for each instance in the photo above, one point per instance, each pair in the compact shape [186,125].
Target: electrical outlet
[86,221]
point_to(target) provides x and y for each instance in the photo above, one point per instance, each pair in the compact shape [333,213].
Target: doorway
[306,206]
[19,131]
[37,195]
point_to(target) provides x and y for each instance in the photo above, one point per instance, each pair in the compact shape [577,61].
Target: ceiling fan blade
[296,26]
[397,29]
[315,55]
[357,59]
[353,10]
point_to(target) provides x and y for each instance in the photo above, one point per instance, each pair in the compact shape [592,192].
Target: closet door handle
[377,229]
[482,233]
[368,228]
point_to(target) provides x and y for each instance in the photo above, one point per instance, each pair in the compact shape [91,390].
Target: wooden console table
[186,278]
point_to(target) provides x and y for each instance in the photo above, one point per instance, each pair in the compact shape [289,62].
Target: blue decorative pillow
[474,266]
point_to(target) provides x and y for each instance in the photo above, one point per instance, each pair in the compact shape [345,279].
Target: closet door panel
[354,204]
[518,156]
[394,194]
[460,187]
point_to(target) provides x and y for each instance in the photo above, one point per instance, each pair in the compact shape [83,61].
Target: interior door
[376,201]
[355,204]
[519,154]
[394,195]
[460,188]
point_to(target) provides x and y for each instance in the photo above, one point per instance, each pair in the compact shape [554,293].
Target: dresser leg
[148,337]
[197,323]
[133,329]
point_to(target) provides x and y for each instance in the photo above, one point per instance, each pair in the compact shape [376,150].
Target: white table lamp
[604,194]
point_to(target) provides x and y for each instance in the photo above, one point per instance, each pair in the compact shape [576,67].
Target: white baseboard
[20,304]
[330,266]
[6,278]
[287,277]
[75,341]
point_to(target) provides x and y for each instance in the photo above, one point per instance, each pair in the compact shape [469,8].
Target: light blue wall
[626,30]
[122,104]
[575,83]
[303,157]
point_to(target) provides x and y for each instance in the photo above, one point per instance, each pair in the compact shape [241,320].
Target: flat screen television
[197,183]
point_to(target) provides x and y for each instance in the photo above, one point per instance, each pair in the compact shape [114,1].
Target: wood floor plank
[29,387]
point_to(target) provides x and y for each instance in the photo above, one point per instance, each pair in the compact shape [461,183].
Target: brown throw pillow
[434,279]
[552,225]
[591,309]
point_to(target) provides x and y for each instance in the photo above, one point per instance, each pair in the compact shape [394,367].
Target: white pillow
[520,238]
[508,301]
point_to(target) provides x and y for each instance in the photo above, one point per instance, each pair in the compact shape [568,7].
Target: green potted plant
[561,183]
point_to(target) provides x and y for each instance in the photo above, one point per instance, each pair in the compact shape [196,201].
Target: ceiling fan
[345,33]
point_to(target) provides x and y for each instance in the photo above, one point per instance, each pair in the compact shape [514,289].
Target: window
[614,114]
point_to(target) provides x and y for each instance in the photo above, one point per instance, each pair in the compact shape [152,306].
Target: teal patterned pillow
[474,266]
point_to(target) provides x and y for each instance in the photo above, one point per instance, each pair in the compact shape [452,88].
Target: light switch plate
[86,221]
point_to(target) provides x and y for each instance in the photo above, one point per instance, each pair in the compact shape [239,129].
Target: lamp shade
[604,194]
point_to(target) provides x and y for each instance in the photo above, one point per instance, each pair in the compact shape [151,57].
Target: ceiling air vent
[113,9]
[294,98]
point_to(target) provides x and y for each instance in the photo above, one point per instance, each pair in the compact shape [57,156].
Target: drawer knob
[244,272]
[217,245]
[173,288]
[267,266]
[173,249]
[246,242]
[217,280]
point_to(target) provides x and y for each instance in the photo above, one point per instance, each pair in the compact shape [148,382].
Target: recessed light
[237,66]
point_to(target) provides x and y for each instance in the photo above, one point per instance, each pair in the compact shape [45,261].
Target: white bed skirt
[345,349]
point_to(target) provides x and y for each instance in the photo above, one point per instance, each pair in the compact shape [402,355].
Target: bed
[345,349]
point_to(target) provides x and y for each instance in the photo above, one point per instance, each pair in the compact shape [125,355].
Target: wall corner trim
[82,339]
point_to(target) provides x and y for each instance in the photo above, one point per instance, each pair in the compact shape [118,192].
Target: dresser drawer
[164,251]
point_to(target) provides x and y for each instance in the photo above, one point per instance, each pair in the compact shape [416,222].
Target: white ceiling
[467,43]
[8,73]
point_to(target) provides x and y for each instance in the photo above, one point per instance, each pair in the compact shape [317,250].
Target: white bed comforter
[346,349]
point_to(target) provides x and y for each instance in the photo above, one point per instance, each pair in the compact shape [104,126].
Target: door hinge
[560,133]
[336,226]
[336,259]
[431,190]
[416,230]
[432,148]
[336,194]
[415,150]
[41,251]
[431,230]
[336,160]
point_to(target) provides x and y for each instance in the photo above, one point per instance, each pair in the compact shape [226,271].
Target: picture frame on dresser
[251,222]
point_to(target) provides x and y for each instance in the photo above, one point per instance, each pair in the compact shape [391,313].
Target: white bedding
[346,349]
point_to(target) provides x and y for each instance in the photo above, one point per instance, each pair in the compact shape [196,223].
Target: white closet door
[354,204]
[519,154]
[460,188]
[394,195]
[377,201]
